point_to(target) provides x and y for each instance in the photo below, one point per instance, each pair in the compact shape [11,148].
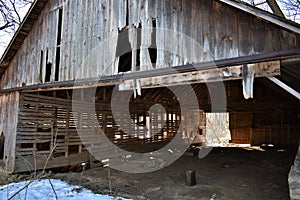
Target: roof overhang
[20,35]
[282,22]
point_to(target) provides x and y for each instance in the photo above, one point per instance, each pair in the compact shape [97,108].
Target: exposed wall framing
[46,123]
[48,126]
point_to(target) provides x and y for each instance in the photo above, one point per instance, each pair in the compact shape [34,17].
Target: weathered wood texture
[89,38]
[281,129]
[48,130]
[241,127]
[264,69]
[21,34]
[46,119]
[47,127]
[259,128]
[276,134]
[9,106]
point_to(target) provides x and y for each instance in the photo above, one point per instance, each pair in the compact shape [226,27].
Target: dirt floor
[226,173]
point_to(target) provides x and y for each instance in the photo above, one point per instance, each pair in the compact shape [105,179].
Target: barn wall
[223,32]
[271,117]
[48,130]
[9,106]
[276,134]
[268,127]
[278,128]
[241,127]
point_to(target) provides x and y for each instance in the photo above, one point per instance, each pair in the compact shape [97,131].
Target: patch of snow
[42,190]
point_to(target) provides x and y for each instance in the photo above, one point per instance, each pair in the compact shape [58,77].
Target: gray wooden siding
[223,32]
[9,106]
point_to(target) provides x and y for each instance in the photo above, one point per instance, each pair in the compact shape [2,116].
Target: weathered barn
[63,49]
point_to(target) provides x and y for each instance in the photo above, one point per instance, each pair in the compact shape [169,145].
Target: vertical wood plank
[259,36]
[208,31]
[219,31]
[244,33]
[232,49]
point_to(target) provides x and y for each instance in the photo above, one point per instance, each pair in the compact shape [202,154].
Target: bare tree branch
[291,8]
[10,17]
[7,25]
[11,14]
[13,3]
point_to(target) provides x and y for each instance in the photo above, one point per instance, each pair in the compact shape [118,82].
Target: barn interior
[50,134]
[48,124]
[267,123]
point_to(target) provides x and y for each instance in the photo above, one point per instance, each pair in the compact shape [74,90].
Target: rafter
[275,8]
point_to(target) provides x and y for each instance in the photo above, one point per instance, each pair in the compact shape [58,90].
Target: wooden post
[191,178]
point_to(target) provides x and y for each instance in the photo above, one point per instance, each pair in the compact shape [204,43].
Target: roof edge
[21,26]
[282,22]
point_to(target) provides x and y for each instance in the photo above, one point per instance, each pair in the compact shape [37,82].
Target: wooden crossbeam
[264,69]
[285,87]
[116,79]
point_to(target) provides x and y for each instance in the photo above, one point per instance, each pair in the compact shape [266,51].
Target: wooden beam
[213,75]
[275,8]
[116,79]
[27,162]
[285,87]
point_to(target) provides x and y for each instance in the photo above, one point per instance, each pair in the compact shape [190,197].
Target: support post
[191,178]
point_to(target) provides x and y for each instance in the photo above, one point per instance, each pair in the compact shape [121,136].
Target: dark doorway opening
[59,32]
[48,69]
